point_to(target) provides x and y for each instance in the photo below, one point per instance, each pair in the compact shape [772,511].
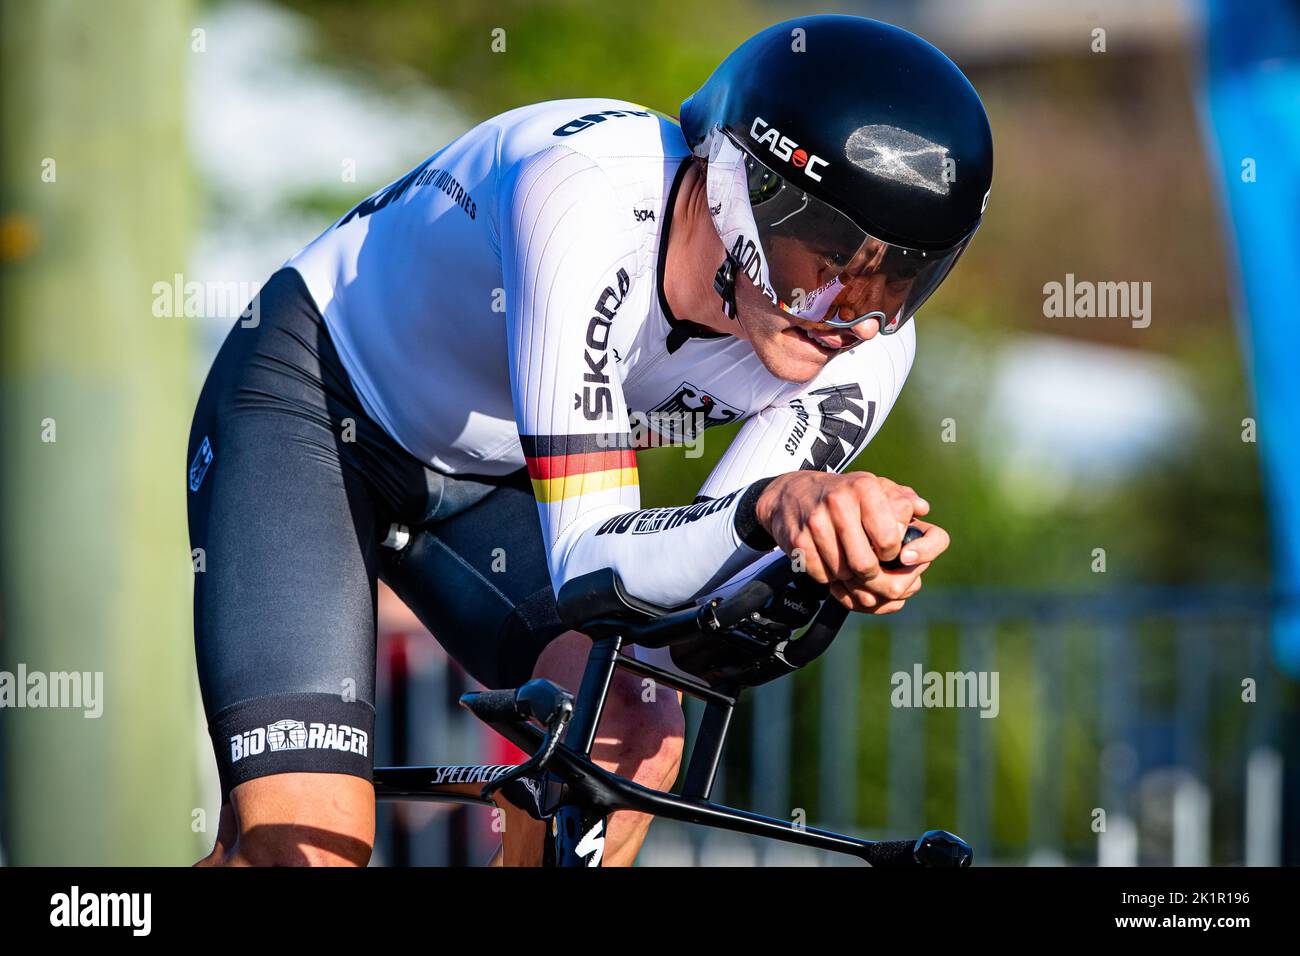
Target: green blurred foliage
[651,52]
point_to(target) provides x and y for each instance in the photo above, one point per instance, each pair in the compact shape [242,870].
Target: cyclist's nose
[867,329]
[862,296]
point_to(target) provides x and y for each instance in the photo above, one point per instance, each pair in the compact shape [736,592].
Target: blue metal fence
[1132,728]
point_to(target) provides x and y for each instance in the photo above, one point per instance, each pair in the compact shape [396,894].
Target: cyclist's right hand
[842,526]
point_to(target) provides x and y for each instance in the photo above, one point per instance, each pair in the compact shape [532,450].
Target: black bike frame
[578,796]
[585,794]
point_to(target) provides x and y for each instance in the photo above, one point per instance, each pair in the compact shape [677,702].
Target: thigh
[285,532]
[479,582]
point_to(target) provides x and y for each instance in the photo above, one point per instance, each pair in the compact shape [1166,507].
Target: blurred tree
[493,57]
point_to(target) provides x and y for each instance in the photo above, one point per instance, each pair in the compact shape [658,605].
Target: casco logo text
[783,147]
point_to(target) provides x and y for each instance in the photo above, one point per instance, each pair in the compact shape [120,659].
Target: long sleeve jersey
[501,306]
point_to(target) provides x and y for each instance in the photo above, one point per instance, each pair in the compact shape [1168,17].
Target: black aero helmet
[849,164]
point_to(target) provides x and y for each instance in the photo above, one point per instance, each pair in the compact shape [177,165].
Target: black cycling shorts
[293,490]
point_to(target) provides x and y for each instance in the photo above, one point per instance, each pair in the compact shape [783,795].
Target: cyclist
[490,338]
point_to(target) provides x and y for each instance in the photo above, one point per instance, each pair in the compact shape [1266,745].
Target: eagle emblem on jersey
[845,422]
[687,412]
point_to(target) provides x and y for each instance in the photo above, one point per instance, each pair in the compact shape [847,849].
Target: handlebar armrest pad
[599,595]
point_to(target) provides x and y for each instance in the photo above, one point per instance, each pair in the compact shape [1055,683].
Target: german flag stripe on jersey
[569,466]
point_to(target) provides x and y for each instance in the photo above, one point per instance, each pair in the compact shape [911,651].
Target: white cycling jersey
[501,306]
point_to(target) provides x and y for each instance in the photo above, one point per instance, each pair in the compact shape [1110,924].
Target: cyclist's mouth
[827,341]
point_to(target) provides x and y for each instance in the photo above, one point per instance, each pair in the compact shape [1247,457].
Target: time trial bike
[774,624]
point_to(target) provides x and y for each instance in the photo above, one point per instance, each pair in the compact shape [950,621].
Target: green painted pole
[95,395]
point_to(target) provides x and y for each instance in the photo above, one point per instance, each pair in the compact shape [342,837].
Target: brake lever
[555,728]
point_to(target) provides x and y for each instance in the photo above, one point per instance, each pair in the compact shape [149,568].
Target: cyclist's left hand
[888,591]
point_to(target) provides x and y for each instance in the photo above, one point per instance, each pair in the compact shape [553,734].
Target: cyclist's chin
[790,353]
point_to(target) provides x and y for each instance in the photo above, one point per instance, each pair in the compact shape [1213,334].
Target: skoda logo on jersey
[749,254]
[688,411]
[596,400]
[783,147]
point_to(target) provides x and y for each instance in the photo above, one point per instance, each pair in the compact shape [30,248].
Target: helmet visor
[809,258]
